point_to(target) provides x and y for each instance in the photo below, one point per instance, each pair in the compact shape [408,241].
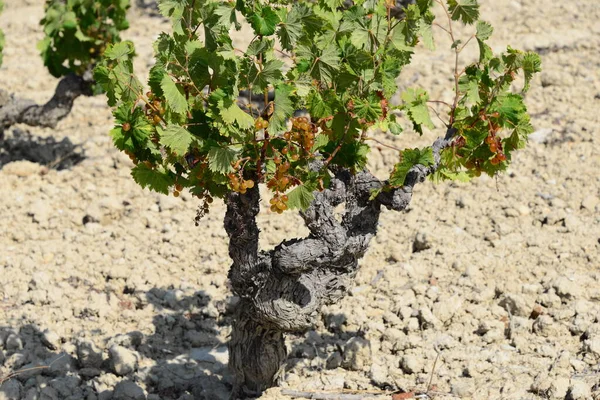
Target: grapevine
[77,33]
[344,63]
[339,61]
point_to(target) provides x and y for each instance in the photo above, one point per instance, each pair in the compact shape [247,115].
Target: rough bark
[14,110]
[284,289]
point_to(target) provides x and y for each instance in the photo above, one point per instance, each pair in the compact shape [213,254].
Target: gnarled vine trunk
[14,110]
[284,289]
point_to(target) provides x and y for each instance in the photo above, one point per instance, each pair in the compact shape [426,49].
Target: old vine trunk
[14,110]
[284,289]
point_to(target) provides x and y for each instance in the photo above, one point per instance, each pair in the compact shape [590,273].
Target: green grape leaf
[518,137]
[395,128]
[327,64]
[408,159]
[390,70]
[399,39]
[317,106]
[324,63]
[269,75]
[120,140]
[300,197]
[510,107]
[369,35]
[409,26]
[259,46]
[290,29]
[270,167]
[444,174]
[465,10]
[320,141]
[118,81]
[129,87]
[485,51]
[174,10]
[346,80]
[152,179]
[351,155]
[156,75]
[416,105]
[333,4]
[484,30]
[140,129]
[174,95]
[264,21]
[469,86]
[198,66]
[283,109]
[532,63]
[220,159]
[234,114]
[426,33]
[176,138]
[369,108]
[226,14]
[120,51]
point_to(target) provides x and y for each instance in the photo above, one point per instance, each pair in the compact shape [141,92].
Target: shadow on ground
[22,145]
[190,358]
[183,359]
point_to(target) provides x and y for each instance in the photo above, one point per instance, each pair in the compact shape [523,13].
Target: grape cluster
[280,183]
[495,145]
[100,36]
[154,109]
[261,123]
[202,168]
[204,194]
[279,203]
[238,184]
[131,156]
[281,180]
[178,189]
[303,132]
[203,208]
[475,166]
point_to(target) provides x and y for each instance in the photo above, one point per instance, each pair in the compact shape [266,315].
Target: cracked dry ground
[117,290]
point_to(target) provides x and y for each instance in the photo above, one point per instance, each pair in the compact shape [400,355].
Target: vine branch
[14,110]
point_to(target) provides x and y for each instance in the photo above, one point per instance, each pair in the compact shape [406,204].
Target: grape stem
[383,144]
[457,51]
[263,155]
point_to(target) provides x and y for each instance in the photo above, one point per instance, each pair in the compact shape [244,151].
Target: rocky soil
[108,291]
